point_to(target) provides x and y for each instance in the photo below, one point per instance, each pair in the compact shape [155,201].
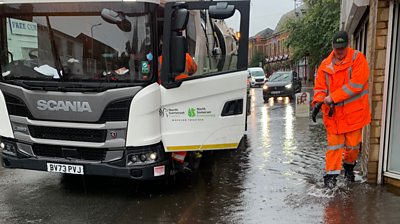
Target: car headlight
[265,87]
[288,86]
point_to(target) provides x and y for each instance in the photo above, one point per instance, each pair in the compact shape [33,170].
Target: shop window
[70,48]
[361,36]
[392,140]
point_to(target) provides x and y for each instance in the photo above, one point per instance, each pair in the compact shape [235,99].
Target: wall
[379,17]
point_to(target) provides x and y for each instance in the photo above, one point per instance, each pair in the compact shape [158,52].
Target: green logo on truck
[192,112]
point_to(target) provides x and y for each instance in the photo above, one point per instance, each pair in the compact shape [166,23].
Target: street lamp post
[91,35]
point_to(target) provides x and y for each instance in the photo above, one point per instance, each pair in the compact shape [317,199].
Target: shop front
[390,160]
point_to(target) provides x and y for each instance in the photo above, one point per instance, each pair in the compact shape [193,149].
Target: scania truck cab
[90,87]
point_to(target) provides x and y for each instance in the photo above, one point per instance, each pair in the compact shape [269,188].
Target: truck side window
[212,44]
[191,34]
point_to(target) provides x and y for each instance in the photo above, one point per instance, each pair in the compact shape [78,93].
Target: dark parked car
[282,84]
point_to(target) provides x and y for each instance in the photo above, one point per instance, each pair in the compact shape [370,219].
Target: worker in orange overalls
[341,92]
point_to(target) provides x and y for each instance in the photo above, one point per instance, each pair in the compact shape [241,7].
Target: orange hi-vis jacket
[190,68]
[347,83]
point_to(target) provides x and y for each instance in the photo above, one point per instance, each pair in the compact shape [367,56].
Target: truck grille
[66,152]
[115,111]
[68,134]
[16,106]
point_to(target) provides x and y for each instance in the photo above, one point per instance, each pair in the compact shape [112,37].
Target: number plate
[275,92]
[65,168]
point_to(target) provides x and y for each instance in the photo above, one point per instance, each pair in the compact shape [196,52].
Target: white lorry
[84,89]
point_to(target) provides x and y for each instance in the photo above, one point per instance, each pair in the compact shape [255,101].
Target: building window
[361,34]
[70,48]
[279,47]
[392,140]
[59,45]
[270,49]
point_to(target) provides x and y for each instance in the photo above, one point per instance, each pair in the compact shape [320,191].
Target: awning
[285,57]
[352,12]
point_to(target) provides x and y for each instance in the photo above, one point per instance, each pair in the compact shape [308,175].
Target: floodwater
[275,177]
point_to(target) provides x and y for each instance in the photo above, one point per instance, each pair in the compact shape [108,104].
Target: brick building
[271,44]
[374,29]
[258,43]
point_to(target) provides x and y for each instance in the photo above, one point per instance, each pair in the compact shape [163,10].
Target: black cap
[340,39]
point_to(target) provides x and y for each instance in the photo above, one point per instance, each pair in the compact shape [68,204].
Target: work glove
[315,111]
[331,109]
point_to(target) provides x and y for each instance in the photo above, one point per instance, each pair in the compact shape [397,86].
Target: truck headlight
[144,158]
[288,86]
[265,87]
[8,147]
[153,156]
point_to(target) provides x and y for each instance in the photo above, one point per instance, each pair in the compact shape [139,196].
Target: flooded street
[275,177]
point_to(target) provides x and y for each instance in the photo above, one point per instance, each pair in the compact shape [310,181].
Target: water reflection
[288,144]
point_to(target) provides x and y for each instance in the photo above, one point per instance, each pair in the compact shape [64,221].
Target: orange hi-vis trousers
[342,147]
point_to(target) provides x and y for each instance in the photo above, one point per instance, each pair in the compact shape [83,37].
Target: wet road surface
[275,177]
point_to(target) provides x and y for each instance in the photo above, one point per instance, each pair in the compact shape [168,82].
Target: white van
[256,77]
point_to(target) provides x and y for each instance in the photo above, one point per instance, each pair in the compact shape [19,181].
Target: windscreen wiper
[63,87]
[23,84]
[56,56]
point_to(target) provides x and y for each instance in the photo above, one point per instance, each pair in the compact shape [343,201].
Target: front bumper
[100,169]
[280,93]
[255,83]
[116,168]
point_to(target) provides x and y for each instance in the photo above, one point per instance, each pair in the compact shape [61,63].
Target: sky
[266,13]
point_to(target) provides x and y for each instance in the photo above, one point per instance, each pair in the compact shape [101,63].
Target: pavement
[274,177]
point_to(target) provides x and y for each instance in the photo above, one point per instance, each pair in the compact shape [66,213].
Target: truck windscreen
[80,42]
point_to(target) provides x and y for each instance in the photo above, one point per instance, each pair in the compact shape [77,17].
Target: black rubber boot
[330,180]
[349,172]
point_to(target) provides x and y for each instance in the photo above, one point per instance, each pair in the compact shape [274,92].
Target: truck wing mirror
[180,19]
[178,54]
[117,18]
[222,10]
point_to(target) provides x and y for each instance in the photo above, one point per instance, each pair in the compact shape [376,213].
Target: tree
[257,58]
[312,34]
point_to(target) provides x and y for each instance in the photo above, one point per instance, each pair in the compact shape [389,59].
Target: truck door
[204,75]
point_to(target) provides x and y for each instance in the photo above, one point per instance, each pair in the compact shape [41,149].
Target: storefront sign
[302,104]
[25,28]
